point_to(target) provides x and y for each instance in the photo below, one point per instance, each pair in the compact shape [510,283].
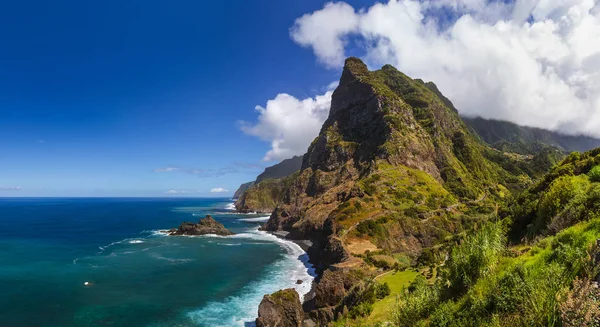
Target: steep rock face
[262,197]
[280,170]
[240,191]
[390,147]
[205,226]
[280,309]
[265,192]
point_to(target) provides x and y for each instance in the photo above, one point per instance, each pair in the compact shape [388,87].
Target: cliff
[280,170]
[238,193]
[262,197]
[394,170]
[394,154]
[265,192]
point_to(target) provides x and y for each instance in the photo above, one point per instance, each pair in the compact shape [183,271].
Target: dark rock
[333,286]
[205,226]
[280,309]
[299,281]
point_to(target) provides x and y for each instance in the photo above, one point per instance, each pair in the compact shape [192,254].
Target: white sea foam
[255,220]
[136,242]
[230,206]
[241,309]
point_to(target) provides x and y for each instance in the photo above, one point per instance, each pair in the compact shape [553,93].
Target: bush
[382,290]
[361,310]
[475,257]
[420,300]
[594,174]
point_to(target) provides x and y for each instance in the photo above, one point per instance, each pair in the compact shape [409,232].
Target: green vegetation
[487,281]
[510,137]
[264,196]
[594,174]
[494,238]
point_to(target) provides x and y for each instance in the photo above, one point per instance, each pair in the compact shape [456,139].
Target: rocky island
[206,225]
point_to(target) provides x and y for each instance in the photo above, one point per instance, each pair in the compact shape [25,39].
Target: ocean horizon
[94,261]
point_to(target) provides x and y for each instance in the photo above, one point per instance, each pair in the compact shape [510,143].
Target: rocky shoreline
[284,307]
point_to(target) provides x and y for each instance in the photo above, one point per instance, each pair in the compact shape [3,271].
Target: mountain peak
[354,69]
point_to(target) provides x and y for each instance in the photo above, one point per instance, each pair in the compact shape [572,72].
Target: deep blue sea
[50,247]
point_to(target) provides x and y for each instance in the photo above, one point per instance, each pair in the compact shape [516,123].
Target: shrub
[420,300]
[594,174]
[382,290]
[475,257]
[361,310]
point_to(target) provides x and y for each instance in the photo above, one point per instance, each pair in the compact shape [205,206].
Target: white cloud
[218,190]
[536,63]
[172,191]
[10,188]
[290,124]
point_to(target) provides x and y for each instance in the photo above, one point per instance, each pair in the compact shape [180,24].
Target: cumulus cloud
[289,124]
[535,63]
[218,190]
[10,188]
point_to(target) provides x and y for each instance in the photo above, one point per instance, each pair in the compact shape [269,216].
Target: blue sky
[95,96]
[178,98]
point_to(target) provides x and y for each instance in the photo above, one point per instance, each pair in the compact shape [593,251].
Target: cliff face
[280,170]
[265,192]
[262,197]
[238,193]
[394,154]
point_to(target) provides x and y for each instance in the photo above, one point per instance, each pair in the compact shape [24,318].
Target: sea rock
[280,309]
[206,225]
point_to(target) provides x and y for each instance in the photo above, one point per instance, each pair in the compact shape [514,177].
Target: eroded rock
[280,309]
[206,225]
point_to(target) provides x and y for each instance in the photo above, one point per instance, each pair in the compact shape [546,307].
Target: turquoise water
[136,276]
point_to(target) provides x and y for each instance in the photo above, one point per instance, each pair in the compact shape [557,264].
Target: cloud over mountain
[536,63]
[289,123]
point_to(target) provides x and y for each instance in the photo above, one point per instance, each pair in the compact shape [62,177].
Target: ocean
[136,276]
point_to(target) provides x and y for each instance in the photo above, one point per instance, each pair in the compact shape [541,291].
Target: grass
[382,310]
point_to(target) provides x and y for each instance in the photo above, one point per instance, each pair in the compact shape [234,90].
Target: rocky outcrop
[280,309]
[205,226]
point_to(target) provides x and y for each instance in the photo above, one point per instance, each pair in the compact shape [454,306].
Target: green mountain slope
[511,137]
[394,177]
